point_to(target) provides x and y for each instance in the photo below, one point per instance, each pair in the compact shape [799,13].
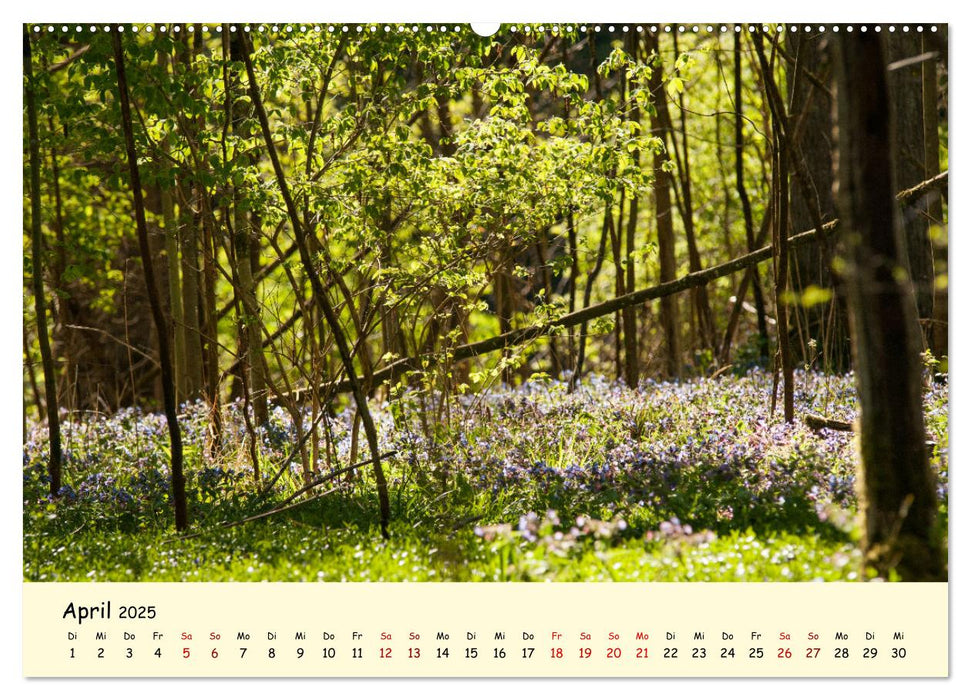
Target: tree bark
[895,484]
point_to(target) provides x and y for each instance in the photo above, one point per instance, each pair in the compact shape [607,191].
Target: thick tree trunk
[896,485]
[824,323]
[161,327]
[37,273]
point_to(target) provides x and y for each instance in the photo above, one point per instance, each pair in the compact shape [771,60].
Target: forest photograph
[402,302]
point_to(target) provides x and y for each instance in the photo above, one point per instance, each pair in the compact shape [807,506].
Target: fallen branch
[694,279]
[252,518]
[819,422]
[332,475]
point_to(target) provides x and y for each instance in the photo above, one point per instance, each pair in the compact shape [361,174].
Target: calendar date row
[498,652]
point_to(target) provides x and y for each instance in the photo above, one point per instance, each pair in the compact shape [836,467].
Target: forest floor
[688,481]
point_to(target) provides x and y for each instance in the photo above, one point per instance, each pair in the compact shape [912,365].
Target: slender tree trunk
[588,293]
[572,244]
[781,246]
[320,293]
[210,333]
[906,97]
[631,355]
[37,274]
[191,223]
[670,315]
[629,314]
[161,328]
[171,224]
[572,285]
[706,325]
[780,230]
[896,485]
[617,252]
[753,273]
[245,244]
[556,363]
[935,210]
[620,281]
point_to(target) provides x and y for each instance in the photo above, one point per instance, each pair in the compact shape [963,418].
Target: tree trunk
[191,223]
[935,210]
[620,282]
[320,293]
[906,97]
[245,245]
[780,229]
[37,274]
[171,224]
[825,322]
[588,294]
[699,296]
[781,246]
[210,331]
[161,328]
[896,485]
[629,314]
[670,316]
[763,332]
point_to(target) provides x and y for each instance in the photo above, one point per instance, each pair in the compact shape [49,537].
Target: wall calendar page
[514,350]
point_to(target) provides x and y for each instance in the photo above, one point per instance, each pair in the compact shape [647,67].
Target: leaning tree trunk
[161,328]
[36,250]
[895,483]
[320,293]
